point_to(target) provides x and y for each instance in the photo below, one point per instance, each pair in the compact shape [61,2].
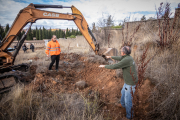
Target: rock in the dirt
[97,59]
[81,84]
[41,69]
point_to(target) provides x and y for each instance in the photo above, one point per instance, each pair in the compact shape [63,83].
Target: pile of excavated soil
[101,81]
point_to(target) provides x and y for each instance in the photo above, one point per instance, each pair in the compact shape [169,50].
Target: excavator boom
[29,15]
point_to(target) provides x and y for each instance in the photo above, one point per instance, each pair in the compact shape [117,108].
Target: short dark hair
[127,50]
[53,35]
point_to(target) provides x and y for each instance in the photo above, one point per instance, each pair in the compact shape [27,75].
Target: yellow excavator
[29,15]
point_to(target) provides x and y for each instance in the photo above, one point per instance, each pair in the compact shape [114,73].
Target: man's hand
[102,66]
[48,55]
[108,56]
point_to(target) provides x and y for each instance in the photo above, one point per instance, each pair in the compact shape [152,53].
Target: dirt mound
[101,81]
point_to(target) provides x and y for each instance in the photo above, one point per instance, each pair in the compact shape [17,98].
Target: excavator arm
[29,15]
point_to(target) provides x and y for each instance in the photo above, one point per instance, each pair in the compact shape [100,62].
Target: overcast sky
[91,9]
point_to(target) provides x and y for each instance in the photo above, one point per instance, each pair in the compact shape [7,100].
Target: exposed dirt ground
[101,81]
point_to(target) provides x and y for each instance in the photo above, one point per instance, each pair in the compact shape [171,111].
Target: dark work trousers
[53,59]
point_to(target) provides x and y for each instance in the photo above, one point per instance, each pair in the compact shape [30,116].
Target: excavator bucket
[108,52]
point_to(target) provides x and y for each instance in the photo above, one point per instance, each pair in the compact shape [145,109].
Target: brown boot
[119,105]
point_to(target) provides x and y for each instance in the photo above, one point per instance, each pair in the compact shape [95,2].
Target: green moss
[116,27]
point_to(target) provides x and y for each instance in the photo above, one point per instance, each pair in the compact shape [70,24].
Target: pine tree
[40,34]
[6,29]
[70,33]
[67,33]
[109,21]
[47,34]
[56,33]
[34,33]
[23,32]
[59,31]
[37,33]
[77,32]
[29,35]
[50,33]
[80,33]
[73,32]
[19,36]
[143,18]
[1,32]
[43,33]
[63,33]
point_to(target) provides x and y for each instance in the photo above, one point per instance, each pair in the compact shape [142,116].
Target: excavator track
[9,78]
[7,81]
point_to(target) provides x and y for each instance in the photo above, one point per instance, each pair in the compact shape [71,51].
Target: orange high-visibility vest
[53,48]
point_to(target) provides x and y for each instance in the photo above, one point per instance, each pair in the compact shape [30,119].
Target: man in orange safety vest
[53,47]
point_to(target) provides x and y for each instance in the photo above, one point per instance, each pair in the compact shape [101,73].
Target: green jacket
[127,64]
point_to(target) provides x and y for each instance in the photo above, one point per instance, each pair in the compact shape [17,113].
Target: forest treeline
[42,33]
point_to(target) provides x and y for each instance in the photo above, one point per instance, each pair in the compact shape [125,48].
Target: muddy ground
[100,81]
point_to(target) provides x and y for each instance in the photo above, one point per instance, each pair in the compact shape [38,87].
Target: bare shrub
[165,98]
[103,31]
[141,65]
[168,31]
[127,37]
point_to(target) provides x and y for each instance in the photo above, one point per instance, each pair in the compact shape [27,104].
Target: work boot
[119,105]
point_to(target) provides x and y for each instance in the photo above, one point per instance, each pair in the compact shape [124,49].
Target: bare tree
[104,24]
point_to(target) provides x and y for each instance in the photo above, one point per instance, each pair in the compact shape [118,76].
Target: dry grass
[164,72]
[21,104]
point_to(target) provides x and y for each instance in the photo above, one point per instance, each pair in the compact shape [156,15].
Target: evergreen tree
[63,34]
[109,21]
[22,32]
[67,33]
[37,33]
[56,33]
[40,34]
[47,34]
[34,33]
[19,36]
[143,18]
[80,33]
[50,33]
[43,33]
[59,32]
[73,32]
[29,35]
[1,32]
[6,29]
[77,32]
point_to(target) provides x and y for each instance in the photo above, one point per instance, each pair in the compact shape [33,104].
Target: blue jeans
[126,99]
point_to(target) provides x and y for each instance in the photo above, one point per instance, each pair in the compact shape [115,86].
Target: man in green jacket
[127,64]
